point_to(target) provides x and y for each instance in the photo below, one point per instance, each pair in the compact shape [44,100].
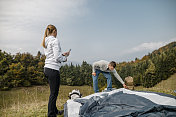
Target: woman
[54,57]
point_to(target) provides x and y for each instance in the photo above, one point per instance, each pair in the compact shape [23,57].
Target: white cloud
[150,46]
[22,22]
[32,13]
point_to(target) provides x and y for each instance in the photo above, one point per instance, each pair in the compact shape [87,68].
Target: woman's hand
[66,54]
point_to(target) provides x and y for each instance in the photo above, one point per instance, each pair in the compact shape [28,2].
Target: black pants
[53,77]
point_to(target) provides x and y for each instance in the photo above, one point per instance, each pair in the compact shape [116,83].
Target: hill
[165,48]
[152,68]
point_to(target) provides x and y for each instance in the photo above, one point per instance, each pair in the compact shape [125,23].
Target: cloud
[150,46]
[22,22]
[31,13]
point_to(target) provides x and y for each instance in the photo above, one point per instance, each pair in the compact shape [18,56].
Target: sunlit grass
[33,101]
[166,86]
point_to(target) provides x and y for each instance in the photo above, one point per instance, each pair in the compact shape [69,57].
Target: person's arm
[118,77]
[57,52]
[93,67]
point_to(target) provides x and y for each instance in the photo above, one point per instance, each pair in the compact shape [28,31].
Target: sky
[118,30]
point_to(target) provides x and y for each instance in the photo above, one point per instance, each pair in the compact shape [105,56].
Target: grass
[166,86]
[33,101]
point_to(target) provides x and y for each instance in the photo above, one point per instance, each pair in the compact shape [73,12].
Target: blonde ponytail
[50,28]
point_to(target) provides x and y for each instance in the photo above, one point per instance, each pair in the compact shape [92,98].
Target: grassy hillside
[166,86]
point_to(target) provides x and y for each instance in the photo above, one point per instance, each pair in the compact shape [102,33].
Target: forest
[25,69]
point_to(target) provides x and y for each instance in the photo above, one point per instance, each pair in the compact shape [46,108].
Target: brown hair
[50,28]
[112,63]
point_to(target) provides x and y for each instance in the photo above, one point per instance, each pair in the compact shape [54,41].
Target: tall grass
[33,101]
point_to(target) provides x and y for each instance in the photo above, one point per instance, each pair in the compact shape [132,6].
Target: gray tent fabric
[125,103]
[120,104]
[162,94]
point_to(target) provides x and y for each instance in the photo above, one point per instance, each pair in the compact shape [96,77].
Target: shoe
[60,112]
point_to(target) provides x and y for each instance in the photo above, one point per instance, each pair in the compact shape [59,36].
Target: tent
[122,102]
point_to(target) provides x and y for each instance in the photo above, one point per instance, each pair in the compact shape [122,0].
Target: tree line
[24,69]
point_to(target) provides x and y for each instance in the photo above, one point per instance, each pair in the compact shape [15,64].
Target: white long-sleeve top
[53,53]
[103,66]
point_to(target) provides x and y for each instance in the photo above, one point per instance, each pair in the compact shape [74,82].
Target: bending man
[105,68]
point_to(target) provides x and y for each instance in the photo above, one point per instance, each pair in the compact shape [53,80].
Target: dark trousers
[53,77]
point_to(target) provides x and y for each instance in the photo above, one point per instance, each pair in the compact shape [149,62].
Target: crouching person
[105,68]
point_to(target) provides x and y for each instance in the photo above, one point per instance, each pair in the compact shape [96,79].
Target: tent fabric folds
[122,102]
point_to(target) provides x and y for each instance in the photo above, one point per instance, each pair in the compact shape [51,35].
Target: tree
[14,77]
[150,76]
